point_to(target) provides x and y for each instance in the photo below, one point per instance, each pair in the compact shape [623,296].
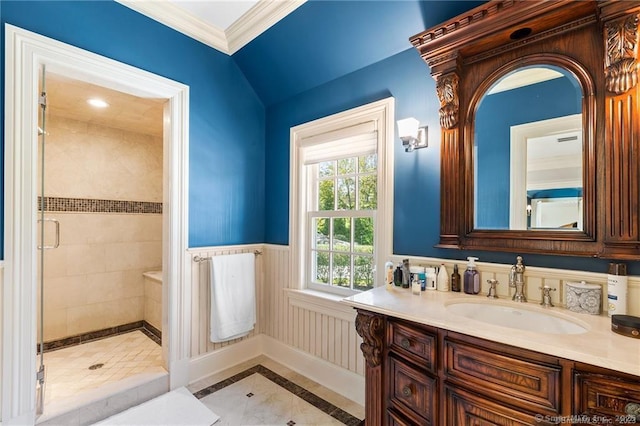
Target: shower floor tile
[77,369]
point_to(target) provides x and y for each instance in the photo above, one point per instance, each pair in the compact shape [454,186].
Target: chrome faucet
[546,296]
[516,280]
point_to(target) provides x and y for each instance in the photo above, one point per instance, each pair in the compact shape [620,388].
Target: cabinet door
[607,398]
[466,409]
[412,392]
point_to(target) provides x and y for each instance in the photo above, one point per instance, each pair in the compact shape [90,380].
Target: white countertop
[597,346]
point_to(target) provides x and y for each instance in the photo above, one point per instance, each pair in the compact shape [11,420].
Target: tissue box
[584,297]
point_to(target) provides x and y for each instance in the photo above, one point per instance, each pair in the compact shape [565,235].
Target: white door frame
[25,53]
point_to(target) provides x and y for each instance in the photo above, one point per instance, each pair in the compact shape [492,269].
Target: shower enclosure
[99,227]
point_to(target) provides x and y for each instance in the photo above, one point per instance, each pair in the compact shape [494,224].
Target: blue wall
[416,222]
[227,119]
[239,156]
[495,116]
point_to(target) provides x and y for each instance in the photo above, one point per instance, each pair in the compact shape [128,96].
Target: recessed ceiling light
[98,103]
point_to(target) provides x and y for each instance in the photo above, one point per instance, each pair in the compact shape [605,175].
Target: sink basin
[521,318]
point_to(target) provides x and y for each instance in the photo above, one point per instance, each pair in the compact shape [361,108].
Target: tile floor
[252,394]
[257,392]
[77,369]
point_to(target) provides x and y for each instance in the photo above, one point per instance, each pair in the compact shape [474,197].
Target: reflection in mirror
[528,146]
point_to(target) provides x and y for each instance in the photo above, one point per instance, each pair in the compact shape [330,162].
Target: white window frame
[381,114]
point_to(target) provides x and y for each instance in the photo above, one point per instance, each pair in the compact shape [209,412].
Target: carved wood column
[371,328]
[622,132]
[451,172]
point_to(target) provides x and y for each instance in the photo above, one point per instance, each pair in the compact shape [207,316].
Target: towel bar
[199,259]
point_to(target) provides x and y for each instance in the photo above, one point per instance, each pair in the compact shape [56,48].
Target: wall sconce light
[413,136]
[529,209]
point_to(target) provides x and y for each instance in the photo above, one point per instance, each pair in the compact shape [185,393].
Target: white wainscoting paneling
[201,297]
[319,326]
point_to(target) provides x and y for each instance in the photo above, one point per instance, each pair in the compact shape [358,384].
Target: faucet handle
[546,296]
[492,288]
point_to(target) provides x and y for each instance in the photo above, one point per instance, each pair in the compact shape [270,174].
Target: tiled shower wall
[93,280]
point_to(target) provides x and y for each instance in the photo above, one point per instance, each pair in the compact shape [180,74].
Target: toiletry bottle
[422,277]
[617,289]
[397,276]
[388,267]
[443,278]
[471,277]
[415,285]
[431,278]
[417,271]
[406,274]
[455,279]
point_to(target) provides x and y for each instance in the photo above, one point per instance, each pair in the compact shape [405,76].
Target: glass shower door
[42,237]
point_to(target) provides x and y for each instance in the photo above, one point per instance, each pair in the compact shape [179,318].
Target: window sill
[323,303]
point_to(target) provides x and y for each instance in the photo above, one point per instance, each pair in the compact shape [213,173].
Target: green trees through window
[343,223]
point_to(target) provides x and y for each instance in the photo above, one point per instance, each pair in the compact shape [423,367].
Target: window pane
[368,192]
[320,267]
[326,195]
[321,227]
[342,270]
[363,234]
[346,166]
[342,234]
[346,194]
[326,168]
[367,163]
[363,272]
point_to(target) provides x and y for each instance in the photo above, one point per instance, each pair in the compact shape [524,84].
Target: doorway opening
[100,217]
[26,54]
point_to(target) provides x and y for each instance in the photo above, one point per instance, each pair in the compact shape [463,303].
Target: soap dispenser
[471,277]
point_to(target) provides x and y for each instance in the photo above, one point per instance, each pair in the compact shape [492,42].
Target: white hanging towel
[233,296]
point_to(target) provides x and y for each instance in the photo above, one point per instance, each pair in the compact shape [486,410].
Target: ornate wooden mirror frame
[597,41]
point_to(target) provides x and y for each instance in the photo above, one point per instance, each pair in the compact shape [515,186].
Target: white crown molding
[250,25]
[257,20]
[180,20]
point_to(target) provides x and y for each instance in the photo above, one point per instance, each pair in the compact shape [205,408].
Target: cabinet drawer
[607,396]
[414,393]
[464,408]
[518,381]
[416,343]
[395,419]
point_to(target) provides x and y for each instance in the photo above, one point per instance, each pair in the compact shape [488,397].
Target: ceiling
[286,47]
[68,98]
[225,25]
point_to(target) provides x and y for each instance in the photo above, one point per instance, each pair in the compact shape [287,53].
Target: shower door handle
[57,242]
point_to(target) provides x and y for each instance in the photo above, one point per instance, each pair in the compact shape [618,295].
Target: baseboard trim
[223,358]
[340,380]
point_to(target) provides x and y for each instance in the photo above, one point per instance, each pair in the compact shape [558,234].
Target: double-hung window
[340,200]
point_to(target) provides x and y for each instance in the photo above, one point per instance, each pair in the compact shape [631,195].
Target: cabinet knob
[405,343]
[633,409]
[406,391]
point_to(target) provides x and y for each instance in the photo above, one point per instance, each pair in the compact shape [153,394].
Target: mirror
[528,152]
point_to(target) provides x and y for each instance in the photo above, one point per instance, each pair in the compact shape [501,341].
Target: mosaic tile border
[147,329]
[88,205]
[299,391]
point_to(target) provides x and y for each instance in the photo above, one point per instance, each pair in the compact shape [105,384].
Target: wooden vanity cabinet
[605,396]
[411,373]
[422,375]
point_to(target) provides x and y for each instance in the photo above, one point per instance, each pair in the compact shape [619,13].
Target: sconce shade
[408,128]
[413,136]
